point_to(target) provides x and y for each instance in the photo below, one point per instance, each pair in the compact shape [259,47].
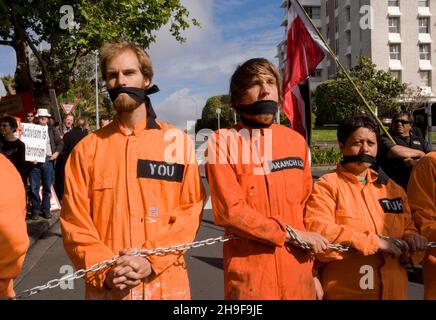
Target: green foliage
[94,22]
[325,156]
[209,117]
[336,99]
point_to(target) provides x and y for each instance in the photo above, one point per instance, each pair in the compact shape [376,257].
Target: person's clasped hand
[128,270]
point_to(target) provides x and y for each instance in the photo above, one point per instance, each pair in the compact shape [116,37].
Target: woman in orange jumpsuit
[422,198]
[260,179]
[13,231]
[358,206]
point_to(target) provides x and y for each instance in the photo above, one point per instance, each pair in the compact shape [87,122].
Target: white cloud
[179,108]
[202,66]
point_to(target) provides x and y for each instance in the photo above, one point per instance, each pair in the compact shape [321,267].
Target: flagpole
[347,75]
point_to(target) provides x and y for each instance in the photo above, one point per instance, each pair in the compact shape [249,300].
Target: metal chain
[175,249]
[306,246]
[107,263]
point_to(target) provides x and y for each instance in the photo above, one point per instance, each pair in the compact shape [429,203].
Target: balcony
[425,65]
[424,12]
[424,38]
[394,38]
[394,12]
[395,65]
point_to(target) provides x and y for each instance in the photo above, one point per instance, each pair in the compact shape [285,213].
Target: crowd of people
[61,140]
[292,239]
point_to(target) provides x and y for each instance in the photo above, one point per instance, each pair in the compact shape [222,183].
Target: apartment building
[398,35]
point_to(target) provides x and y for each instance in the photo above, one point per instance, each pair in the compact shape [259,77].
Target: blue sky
[232,31]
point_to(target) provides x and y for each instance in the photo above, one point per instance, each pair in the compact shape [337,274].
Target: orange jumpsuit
[256,207]
[422,197]
[13,230]
[121,193]
[346,211]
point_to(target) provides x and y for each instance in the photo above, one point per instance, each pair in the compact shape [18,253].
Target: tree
[209,117]
[336,99]
[59,35]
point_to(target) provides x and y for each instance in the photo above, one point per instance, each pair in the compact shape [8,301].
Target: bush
[325,156]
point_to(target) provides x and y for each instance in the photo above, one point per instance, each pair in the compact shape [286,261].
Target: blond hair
[113,49]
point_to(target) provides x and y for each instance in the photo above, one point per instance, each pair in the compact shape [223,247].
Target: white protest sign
[35,138]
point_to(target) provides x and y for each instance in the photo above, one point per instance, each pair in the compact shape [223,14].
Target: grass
[324,134]
[328,134]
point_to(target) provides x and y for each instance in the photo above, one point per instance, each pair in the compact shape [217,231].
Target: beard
[123,103]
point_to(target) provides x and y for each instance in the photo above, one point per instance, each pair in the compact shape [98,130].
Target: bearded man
[124,192]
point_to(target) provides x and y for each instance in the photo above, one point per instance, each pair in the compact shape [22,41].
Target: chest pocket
[347,218]
[103,200]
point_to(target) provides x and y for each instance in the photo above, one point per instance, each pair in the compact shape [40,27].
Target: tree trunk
[23,79]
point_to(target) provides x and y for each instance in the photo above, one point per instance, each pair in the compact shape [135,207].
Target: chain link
[107,263]
[306,246]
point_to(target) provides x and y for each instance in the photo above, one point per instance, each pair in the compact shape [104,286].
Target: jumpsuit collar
[371,175]
[145,124]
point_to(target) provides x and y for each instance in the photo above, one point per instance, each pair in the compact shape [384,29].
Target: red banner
[18,105]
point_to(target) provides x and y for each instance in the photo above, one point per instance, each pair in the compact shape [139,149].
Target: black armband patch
[392,205]
[287,163]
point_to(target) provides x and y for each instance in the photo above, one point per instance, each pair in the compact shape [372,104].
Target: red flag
[305,50]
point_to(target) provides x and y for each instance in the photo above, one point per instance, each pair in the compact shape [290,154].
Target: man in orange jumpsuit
[422,198]
[354,206]
[13,231]
[256,194]
[133,184]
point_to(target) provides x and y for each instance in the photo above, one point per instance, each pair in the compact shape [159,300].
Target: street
[46,260]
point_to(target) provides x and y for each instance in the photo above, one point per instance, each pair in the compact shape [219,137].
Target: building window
[395,52]
[425,78]
[336,4]
[349,61]
[348,35]
[424,25]
[317,73]
[424,52]
[394,25]
[348,13]
[393,3]
[423,3]
[313,12]
[396,74]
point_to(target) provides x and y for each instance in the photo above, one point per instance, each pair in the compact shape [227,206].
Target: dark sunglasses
[30,116]
[402,122]
[4,125]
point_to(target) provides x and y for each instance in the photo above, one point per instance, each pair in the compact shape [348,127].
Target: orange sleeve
[410,228]
[14,240]
[232,211]
[320,217]
[81,239]
[185,219]
[421,191]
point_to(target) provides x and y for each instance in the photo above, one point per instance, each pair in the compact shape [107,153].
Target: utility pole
[218,112]
[97,118]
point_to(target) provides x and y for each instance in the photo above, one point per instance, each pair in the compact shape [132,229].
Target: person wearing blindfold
[398,160]
[358,206]
[258,193]
[123,194]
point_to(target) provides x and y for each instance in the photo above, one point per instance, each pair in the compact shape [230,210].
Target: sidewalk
[37,228]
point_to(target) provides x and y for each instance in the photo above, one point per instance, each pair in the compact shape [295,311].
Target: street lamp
[97,118]
[218,112]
